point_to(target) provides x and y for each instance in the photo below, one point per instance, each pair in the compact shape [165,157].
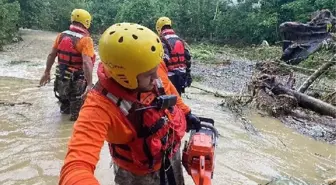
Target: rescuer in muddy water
[136,109]
[75,52]
[176,56]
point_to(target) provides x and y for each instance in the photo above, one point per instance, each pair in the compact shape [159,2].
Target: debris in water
[17,62]
[13,104]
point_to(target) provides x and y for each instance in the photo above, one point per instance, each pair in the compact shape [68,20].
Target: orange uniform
[100,120]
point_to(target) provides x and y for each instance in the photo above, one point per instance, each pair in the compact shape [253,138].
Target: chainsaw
[199,152]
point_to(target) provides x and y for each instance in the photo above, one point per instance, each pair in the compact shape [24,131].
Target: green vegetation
[9,18]
[204,52]
[215,21]
[317,59]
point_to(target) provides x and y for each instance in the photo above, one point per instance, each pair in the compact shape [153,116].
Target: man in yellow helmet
[177,57]
[136,109]
[74,49]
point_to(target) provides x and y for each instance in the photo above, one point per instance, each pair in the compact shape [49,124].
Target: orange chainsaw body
[199,156]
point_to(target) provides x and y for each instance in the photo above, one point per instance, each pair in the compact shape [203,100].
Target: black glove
[193,122]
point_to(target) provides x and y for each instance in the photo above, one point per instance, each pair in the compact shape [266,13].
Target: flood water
[34,135]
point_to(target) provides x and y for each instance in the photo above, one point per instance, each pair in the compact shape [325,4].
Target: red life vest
[157,131]
[176,49]
[67,53]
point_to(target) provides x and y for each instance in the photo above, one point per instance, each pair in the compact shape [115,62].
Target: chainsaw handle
[201,170]
[214,130]
[209,124]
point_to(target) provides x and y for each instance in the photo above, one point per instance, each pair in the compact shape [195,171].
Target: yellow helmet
[81,16]
[162,21]
[127,50]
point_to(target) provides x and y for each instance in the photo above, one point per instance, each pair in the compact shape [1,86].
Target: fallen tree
[266,84]
[219,94]
[294,68]
[317,74]
[273,91]
[304,100]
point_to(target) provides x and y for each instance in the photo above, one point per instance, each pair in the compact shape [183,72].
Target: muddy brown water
[33,138]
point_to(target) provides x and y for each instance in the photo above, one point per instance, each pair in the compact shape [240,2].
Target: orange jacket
[100,120]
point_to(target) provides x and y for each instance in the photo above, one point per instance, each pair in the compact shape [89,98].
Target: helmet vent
[153,48]
[157,40]
[135,37]
[112,32]
[121,39]
[140,29]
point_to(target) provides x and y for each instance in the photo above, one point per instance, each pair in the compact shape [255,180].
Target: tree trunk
[316,74]
[295,68]
[218,94]
[306,101]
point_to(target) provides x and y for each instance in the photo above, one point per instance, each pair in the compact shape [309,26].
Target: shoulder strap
[165,39]
[125,106]
[170,36]
[160,88]
[74,34]
[166,42]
